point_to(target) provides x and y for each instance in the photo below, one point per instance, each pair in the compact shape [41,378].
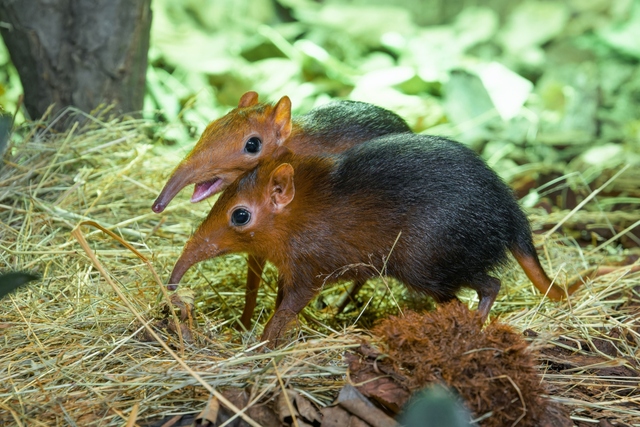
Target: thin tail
[534,271]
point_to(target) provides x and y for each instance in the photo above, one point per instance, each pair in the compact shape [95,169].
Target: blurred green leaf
[10,85]
[533,23]
[624,36]
[469,106]
[366,24]
[435,406]
[475,25]
[508,90]
[162,88]
[275,75]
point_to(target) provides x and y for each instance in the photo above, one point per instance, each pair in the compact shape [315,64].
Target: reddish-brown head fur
[228,147]
[243,219]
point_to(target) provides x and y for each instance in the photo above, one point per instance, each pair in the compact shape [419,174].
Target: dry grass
[71,348]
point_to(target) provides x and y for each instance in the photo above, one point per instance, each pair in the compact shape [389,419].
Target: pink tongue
[203,190]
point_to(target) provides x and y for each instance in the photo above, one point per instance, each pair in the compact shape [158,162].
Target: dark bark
[78,53]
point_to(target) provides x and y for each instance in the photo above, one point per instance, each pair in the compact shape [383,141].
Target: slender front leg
[255,265]
[487,288]
[292,303]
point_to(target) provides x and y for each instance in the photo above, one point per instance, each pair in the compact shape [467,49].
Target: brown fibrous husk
[493,369]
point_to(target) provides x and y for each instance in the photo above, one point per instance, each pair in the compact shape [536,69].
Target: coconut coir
[492,368]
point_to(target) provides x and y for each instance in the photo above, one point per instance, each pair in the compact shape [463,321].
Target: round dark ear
[282,118]
[248,99]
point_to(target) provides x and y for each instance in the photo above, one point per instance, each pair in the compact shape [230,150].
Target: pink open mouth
[202,190]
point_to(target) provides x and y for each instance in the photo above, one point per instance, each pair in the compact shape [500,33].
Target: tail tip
[158,207]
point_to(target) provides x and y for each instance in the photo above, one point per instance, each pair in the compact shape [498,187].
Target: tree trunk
[78,53]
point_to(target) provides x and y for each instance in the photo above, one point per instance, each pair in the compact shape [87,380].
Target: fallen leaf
[355,402]
[209,415]
[334,416]
[305,411]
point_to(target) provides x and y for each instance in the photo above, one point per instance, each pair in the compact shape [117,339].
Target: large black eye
[240,216]
[253,145]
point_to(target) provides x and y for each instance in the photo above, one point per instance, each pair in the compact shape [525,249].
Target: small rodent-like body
[425,210]
[236,142]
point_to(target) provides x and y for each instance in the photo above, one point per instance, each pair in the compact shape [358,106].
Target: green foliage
[435,406]
[527,74]
[10,86]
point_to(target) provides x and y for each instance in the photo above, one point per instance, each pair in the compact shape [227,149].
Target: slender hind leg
[349,295]
[487,288]
[254,275]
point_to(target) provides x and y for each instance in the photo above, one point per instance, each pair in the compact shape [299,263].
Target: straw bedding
[75,345]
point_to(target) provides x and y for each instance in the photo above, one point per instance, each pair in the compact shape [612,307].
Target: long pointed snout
[183,264]
[195,250]
[182,176]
